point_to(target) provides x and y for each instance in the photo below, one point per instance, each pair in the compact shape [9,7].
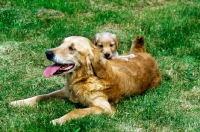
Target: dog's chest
[84,92]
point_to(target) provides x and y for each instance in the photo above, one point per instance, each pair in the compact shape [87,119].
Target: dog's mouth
[108,58]
[57,69]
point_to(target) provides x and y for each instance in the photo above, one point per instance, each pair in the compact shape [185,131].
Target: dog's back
[126,78]
[136,76]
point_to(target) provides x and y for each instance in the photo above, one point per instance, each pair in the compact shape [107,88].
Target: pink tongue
[50,70]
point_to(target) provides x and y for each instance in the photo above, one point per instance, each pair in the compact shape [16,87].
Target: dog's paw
[17,103]
[126,59]
[131,56]
[20,103]
[57,121]
[54,122]
[24,102]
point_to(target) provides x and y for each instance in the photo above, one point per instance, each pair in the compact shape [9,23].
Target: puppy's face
[69,56]
[108,44]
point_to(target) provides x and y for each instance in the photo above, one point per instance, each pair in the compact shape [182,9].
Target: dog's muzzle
[107,55]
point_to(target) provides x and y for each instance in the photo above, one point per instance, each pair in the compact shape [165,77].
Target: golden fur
[94,81]
[108,44]
[138,45]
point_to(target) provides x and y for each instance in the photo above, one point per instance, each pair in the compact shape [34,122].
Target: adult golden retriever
[94,81]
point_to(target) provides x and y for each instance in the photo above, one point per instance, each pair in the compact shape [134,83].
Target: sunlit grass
[171,31]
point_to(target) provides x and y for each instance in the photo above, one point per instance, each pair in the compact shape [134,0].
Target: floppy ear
[117,42]
[95,39]
[98,63]
[90,55]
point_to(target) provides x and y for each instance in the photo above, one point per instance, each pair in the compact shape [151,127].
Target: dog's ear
[117,42]
[95,39]
[89,63]
[98,63]
[89,66]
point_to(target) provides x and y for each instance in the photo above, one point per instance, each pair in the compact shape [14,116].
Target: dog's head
[74,53]
[108,43]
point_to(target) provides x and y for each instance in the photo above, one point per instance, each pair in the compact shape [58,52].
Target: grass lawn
[172,35]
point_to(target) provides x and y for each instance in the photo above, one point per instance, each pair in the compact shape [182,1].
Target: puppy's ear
[95,39]
[117,42]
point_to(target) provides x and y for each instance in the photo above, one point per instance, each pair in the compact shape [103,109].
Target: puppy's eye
[101,46]
[112,44]
[71,48]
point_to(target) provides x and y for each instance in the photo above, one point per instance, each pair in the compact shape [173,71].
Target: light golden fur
[138,45]
[108,44]
[96,82]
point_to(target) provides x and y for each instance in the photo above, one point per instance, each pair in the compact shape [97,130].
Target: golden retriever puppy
[94,81]
[108,43]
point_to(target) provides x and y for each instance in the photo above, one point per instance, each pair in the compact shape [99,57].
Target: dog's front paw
[20,103]
[17,103]
[57,121]
[24,102]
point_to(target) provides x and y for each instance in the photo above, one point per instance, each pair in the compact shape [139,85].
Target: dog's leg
[59,94]
[99,106]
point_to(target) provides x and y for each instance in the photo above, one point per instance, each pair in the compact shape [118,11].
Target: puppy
[108,43]
[92,80]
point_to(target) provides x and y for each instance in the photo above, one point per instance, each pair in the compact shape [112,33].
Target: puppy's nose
[107,55]
[49,54]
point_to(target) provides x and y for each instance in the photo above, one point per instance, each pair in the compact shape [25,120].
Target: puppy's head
[108,43]
[74,53]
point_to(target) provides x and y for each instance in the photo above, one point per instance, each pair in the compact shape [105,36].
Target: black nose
[49,54]
[107,55]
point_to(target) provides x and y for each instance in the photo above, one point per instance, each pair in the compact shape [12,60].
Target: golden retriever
[94,81]
[108,44]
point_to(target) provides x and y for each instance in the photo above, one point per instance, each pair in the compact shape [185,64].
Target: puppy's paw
[131,56]
[126,59]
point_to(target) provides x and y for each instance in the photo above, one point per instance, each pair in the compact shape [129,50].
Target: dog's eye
[111,45]
[71,48]
[101,46]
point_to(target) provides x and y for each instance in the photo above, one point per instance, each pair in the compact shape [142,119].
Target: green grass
[172,35]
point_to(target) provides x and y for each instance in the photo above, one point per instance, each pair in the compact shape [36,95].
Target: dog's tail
[138,45]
